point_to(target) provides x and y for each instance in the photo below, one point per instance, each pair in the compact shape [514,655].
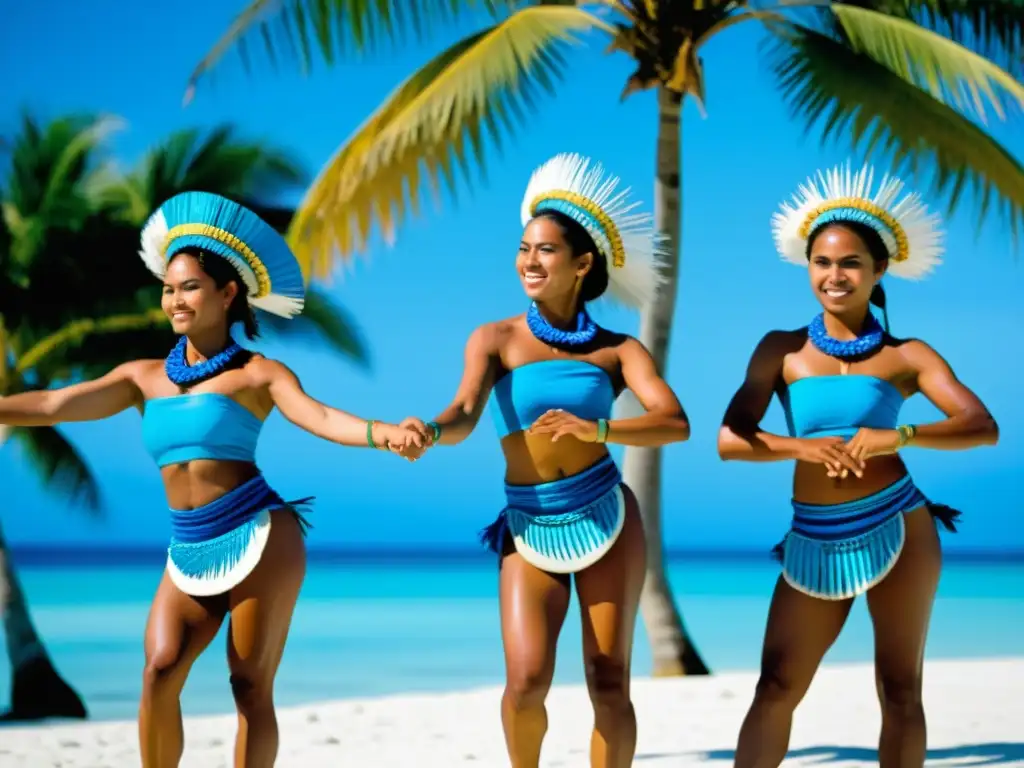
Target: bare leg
[533,606]
[261,613]
[178,629]
[901,608]
[800,631]
[609,593]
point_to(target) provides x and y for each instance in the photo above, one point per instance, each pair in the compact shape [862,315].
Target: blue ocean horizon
[384,621]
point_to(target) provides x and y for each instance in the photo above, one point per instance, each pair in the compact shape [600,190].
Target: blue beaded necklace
[871,337]
[586,329]
[184,375]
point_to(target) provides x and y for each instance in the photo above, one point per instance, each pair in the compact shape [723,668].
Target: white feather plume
[154,238]
[922,229]
[636,282]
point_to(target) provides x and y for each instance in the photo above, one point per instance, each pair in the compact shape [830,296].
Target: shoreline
[681,722]
[33,554]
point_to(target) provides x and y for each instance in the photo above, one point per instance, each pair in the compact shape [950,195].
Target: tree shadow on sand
[996,753]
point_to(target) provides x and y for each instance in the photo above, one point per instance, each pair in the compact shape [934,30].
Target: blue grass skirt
[566,525]
[839,551]
[215,546]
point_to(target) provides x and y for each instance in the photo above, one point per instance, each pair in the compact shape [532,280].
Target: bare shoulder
[629,347]
[141,372]
[784,341]
[265,370]
[489,338]
[769,356]
[774,346]
[918,354]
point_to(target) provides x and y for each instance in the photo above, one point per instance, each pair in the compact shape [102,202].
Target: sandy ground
[975,717]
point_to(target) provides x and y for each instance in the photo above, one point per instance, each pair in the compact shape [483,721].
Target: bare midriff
[533,459]
[812,485]
[192,484]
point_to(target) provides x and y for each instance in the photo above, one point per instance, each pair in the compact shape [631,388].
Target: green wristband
[437,431]
[907,433]
[602,430]
[369,434]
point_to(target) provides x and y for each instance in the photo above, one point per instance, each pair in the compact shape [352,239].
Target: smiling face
[547,267]
[842,270]
[191,298]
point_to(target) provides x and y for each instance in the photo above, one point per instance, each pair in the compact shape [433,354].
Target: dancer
[236,546]
[859,523]
[552,375]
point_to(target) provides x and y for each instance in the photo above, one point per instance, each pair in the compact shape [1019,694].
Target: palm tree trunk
[672,651]
[37,691]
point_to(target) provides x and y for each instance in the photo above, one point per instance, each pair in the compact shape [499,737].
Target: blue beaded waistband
[840,521]
[581,506]
[209,542]
[224,514]
[838,551]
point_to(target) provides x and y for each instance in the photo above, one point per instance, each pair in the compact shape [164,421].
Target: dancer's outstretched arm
[86,401]
[456,422]
[330,423]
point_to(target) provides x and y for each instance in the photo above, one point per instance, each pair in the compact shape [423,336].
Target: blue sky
[452,269]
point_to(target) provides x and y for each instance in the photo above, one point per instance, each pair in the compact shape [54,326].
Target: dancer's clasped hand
[841,457]
[406,442]
[424,438]
[833,453]
[559,423]
[868,443]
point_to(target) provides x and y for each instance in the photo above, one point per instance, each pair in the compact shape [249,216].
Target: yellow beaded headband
[605,233]
[568,184]
[912,236]
[260,285]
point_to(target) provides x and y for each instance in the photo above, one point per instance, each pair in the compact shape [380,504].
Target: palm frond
[323,321]
[47,160]
[993,28]
[430,125]
[50,168]
[854,98]
[74,333]
[215,161]
[292,29]
[59,464]
[950,72]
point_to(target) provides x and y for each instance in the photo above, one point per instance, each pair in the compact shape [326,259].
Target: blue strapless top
[526,392]
[826,406]
[202,426]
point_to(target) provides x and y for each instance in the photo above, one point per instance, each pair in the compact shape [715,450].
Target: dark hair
[595,282]
[876,248]
[221,271]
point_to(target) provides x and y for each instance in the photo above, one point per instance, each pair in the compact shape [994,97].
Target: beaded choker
[184,375]
[586,329]
[871,337]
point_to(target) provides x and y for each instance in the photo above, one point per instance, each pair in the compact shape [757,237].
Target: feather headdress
[215,224]
[912,235]
[626,238]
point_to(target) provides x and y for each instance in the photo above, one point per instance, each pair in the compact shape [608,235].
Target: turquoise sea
[372,624]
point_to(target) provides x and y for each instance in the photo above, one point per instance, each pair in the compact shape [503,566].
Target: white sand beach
[974,714]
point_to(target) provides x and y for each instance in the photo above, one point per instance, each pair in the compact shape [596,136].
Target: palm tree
[905,78]
[69,215]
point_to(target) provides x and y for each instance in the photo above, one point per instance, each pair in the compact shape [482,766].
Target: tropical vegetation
[75,301]
[908,81]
